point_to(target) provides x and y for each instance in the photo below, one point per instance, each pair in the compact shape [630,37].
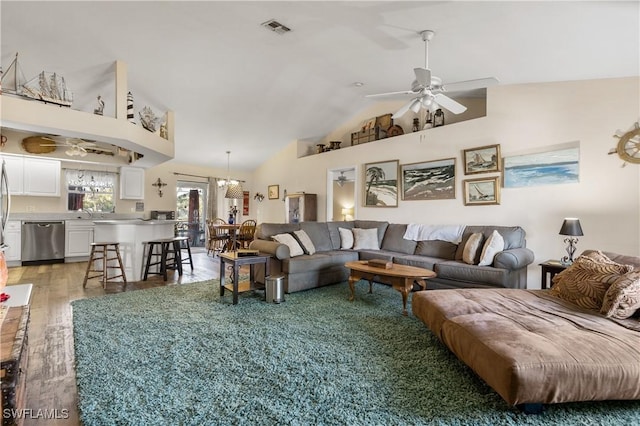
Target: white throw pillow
[366,239]
[287,239]
[471,248]
[305,241]
[346,238]
[493,245]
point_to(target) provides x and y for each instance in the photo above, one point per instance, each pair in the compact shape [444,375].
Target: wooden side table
[237,261]
[551,268]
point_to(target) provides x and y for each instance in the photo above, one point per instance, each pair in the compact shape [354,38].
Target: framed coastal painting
[481,191]
[273,191]
[484,159]
[381,184]
[429,180]
[551,167]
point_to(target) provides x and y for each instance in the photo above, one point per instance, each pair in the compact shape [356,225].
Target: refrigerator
[5,206]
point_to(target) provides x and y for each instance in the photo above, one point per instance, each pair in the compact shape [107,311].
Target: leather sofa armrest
[513,259]
[274,248]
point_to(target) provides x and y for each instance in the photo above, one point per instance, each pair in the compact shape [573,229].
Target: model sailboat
[47,87]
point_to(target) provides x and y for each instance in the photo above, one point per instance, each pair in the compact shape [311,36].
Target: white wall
[519,118]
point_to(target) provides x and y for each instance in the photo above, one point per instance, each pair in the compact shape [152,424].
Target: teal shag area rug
[181,355]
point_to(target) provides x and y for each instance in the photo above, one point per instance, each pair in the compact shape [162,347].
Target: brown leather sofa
[534,348]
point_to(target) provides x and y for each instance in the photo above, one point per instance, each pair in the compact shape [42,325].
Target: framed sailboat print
[485,159]
[478,192]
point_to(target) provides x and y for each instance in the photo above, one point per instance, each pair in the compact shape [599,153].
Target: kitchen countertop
[133,222]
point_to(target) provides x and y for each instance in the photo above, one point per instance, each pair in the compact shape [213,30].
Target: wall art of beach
[429,181]
[545,168]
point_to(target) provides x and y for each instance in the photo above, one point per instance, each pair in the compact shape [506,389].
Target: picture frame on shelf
[381,184]
[429,180]
[483,159]
[273,191]
[481,191]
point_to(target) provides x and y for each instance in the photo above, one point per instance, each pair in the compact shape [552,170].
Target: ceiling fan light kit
[428,89]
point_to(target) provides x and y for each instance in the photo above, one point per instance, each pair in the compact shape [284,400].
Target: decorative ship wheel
[628,148]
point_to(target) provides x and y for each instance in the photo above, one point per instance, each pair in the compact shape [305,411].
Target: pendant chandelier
[234,189]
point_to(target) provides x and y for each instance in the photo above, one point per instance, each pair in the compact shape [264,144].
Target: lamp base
[571,249]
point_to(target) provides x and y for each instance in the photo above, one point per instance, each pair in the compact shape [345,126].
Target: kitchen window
[90,190]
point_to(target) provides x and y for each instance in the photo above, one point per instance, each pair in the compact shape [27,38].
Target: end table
[551,268]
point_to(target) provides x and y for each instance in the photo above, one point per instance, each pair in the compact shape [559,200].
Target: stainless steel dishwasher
[42,242]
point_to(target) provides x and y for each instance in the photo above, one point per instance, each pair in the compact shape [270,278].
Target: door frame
[332,175]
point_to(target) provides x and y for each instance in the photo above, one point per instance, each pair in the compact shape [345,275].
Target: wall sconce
[259,197]
[284,197]
[159,184]
[571,227]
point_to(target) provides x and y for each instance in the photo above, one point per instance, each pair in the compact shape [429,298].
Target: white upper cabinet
[131,183]
[15,167]
[39,177]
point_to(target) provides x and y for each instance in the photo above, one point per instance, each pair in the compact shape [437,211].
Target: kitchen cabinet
[13,239]
[301,207]
[78,238]
[39,177]
[131,183]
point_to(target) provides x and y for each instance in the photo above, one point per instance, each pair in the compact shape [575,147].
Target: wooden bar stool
[101,252]
[170,257]
[183,243]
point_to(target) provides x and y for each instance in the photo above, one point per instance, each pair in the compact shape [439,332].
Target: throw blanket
[421,232]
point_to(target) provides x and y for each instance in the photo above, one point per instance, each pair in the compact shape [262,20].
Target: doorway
[341,193]
[191,211]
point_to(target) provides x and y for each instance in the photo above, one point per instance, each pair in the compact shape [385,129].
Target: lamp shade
[234,190]
[571,226]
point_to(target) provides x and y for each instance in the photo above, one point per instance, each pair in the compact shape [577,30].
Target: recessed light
[276,26]
[358,84]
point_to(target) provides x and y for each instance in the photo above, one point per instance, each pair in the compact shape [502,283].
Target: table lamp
[570,227]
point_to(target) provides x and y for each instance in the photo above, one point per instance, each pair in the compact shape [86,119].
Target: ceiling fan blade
[423,76]
[403,109]
[404,92]
[450,104]
[469,84]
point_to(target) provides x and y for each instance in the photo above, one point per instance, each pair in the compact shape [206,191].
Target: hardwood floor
[51,380]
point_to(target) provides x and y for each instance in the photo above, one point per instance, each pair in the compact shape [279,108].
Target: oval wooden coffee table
[400,277]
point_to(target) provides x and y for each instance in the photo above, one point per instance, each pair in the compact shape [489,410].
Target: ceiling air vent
[276,26]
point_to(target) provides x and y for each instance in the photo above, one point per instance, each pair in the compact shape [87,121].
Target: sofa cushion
[319,234]
[493,245]
[305,242]
[622,299]
[393,239]
[287,239]
[472,249]
[425,262]
[587,280]
[436,248]
[388,256]
[365,239]
[514,236]
[334,234]
[318,261]
[380,226]
[264,231]
[346,238]
[460,271]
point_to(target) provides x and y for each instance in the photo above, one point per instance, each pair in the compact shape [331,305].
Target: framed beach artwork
[550,167]
[381,184]
[429,180]
[484,159]
[481,191]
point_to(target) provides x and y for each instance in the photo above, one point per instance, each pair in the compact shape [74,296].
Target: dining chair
[218,237]
[245,233]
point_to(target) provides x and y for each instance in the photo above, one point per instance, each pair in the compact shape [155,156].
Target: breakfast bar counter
[131,234]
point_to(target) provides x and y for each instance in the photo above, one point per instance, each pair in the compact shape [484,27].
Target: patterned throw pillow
[623,297]
[587,280]
[472,248]
[292,243]
[493,246]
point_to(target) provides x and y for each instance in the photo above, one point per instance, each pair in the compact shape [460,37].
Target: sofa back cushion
[436,248]
[393,239]
[381,226]
[319,234]
[334,234]
[265,231]
[514,236]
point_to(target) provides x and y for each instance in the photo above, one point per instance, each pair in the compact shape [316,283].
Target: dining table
[232,230]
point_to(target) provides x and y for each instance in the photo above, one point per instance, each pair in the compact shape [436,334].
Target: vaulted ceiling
[234,85]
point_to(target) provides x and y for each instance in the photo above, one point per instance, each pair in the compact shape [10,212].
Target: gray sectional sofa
[326,266]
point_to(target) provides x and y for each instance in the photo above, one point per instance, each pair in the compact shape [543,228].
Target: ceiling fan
[427,89]
[75,146]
